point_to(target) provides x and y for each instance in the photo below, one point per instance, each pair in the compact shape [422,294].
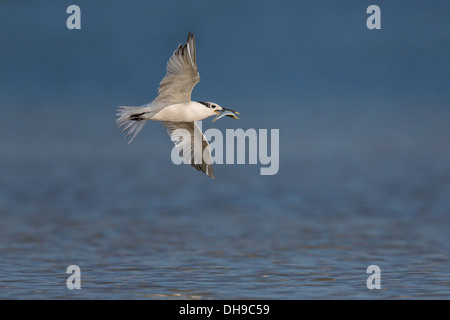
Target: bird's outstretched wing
[182,74]
[187,136]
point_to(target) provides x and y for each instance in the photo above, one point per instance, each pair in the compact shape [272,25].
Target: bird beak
[225,112]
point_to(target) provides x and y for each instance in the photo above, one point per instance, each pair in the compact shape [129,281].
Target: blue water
[364,173]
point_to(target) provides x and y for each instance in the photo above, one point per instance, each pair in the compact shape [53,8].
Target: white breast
[184,112]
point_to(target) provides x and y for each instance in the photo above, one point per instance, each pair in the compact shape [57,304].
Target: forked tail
[131,119]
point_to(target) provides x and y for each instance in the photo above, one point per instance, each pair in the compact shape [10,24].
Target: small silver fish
[226,112]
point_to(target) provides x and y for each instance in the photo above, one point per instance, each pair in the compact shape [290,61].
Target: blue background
[364,151]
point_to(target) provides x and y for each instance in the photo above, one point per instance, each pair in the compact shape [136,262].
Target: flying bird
[175,110]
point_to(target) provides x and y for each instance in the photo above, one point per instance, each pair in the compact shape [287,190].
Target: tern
[175,110]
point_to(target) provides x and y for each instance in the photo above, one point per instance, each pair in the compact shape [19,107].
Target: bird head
[220,111]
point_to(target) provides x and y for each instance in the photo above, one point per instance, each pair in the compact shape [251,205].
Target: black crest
[207,104]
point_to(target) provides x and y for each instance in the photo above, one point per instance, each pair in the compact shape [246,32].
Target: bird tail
[131,119]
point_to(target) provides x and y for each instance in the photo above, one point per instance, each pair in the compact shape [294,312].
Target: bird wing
[182,74]
[186,137]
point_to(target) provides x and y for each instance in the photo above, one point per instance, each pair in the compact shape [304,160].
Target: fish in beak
[225,112]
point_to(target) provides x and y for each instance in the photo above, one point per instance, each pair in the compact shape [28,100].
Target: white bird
[174,108]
